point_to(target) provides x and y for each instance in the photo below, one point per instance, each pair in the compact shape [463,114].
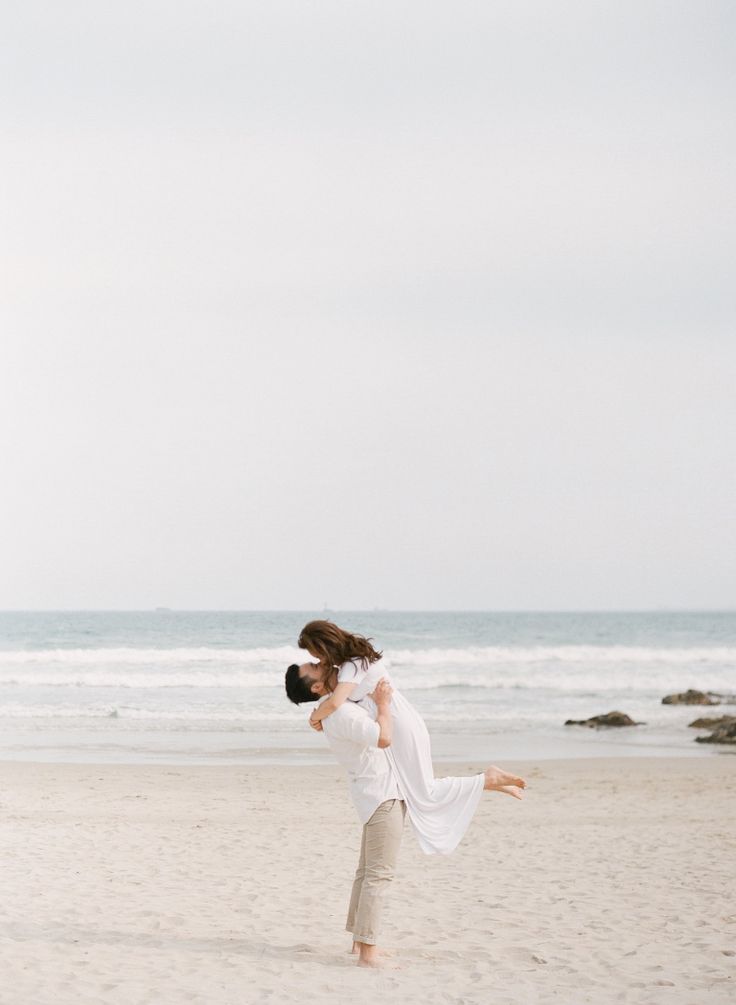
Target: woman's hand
[383,692]
[315,723]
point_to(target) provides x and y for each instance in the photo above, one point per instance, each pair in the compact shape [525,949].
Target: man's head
[305,682]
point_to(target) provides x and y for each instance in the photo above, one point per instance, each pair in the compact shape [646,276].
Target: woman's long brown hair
[334,646]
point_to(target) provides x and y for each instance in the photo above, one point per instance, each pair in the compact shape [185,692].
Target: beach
[613,881]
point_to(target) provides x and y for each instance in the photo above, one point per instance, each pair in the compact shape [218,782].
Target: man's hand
[382,694]
[315,723]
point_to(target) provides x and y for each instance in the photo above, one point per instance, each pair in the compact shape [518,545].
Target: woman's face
[322,666]
[316,655]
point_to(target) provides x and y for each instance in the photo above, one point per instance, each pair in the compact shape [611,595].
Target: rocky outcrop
[712,721]
[724,699]
[691,697]
[723,734]
[609,719]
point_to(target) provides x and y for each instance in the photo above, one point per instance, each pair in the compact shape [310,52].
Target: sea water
[204,687]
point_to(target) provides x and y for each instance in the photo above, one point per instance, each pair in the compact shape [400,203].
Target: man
[358,742]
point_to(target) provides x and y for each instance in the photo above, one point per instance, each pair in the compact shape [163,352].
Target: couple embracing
[383,743]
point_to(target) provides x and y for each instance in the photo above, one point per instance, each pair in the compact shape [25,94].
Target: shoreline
[141,747]
[332,772]
[212,884]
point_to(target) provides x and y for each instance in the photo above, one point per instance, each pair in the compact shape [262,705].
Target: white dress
[439,809]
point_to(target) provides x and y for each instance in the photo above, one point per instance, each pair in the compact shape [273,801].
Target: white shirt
[353,737]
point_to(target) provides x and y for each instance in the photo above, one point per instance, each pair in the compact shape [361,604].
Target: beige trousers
[379,851]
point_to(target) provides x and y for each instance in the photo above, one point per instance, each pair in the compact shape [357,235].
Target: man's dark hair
[299,689]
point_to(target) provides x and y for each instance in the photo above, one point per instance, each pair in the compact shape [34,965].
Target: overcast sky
[406,304]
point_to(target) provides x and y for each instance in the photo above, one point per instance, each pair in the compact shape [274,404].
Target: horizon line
[368,610]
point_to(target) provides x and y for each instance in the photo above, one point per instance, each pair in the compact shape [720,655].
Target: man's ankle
[368,953]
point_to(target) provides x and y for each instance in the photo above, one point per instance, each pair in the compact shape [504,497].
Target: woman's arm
[382,697]
[341,693]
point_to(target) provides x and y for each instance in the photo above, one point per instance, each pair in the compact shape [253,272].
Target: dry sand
[612,882]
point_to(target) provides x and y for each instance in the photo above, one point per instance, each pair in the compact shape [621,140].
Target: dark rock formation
[712,721]
[609,719]
[723,734]
[724,699]
[690,698]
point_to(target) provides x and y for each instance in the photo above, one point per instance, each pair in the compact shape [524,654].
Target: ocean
[207,686]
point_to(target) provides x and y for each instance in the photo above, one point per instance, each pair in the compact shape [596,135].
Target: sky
[408,305]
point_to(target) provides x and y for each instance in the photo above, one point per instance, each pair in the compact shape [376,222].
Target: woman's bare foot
[511,790]
[499,780]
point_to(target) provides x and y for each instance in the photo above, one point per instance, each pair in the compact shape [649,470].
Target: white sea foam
[188,717]
[284,655]
[129,655]
[595,669]
[573,678]
[129,712]
[115,677]
[489,655]
[591,680]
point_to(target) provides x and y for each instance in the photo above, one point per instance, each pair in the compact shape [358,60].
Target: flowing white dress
[439,809]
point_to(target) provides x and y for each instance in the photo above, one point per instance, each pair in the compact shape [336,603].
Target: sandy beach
[612,882]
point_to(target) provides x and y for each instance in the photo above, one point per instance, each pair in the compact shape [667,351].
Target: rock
[609,719]
[689,697]
[712,721]
[724,699]
[723,734]
[538,959]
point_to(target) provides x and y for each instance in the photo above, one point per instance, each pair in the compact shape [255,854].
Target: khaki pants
[379,851]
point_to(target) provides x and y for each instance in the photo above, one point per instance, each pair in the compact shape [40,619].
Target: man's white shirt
[353,736]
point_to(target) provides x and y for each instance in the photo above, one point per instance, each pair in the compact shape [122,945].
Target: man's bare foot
[382,953]
[499,780]
[368,955]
